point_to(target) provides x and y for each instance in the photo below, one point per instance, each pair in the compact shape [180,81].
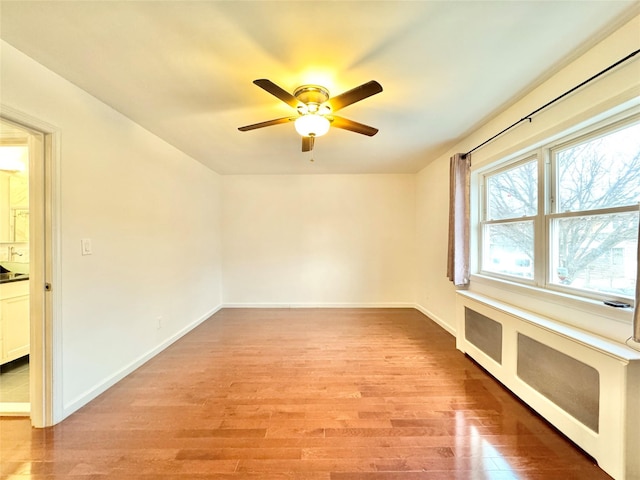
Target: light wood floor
[300,394]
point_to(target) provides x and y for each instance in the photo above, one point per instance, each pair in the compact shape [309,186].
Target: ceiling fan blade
[346,124]
[268,123]
[354,95]
[276,91]
[307,143]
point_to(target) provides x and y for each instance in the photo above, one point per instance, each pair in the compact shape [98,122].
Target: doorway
[25,351]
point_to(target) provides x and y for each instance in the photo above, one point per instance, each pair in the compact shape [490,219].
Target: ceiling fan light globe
[324,109]
[312,125]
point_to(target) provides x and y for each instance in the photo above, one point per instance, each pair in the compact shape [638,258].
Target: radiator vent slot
[484,333]
[567,382]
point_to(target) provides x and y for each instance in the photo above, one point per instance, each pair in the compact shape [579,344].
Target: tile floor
[14,381]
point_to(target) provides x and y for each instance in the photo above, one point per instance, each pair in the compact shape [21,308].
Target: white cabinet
[14,320]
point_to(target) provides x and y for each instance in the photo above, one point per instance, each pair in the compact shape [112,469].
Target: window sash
[519,203]
[573,141]
[620,291]
[507,260]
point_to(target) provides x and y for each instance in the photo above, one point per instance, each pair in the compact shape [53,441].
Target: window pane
[596,253]
[513,193]
[603,172]
[508,249]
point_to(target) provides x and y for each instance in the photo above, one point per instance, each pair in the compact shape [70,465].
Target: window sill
[587,314]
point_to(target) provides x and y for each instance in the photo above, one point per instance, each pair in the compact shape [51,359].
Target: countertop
[13,277]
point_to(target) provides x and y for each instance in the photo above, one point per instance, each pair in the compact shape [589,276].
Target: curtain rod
[528,117]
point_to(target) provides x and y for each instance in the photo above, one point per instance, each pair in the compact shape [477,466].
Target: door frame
[45,365]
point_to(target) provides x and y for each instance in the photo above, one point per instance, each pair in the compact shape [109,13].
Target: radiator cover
[586,386]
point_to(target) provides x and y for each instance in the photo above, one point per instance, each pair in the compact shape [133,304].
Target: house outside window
[564,216]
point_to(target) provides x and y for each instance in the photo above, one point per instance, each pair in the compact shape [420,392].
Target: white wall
[434,293]
[153,216]
[304,240]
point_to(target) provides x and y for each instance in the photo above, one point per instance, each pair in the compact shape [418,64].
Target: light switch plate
[86,246]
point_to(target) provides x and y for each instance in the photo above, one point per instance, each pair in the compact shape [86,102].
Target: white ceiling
[184,69]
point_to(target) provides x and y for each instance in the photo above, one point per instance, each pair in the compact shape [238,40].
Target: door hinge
[47,287]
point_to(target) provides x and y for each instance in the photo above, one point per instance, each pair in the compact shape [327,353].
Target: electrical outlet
[159,323]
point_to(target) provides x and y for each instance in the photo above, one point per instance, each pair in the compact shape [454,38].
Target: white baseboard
[436,319]
[15,409]
[108,382]
[319,305]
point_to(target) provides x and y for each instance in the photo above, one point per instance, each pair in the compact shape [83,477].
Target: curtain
[459,195]
[636,311]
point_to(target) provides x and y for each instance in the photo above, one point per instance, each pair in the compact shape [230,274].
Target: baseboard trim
[318,305]
[436,318]
[15,409]
[107,383]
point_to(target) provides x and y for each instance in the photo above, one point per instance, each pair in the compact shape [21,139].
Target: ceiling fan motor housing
[313,96]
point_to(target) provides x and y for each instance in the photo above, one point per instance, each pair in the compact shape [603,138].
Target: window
[508,230]
[565,216]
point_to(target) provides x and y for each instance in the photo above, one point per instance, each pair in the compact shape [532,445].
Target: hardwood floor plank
[307,394]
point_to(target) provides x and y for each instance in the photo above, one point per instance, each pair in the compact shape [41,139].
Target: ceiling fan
[315,109]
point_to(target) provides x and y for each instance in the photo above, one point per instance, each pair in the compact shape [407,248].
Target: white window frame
[500,168]
[541,283]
